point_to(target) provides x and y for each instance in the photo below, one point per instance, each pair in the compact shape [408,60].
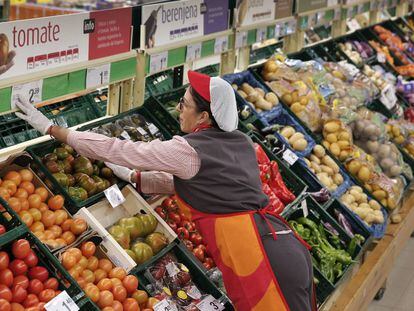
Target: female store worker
[214,172]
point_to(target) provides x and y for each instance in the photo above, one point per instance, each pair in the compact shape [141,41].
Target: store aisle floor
[399,295]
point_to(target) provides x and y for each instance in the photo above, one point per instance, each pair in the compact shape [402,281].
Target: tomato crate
[319,216]
[143,111]
[51,263]
[291,180]
[71,204]
[12,223]
[198,275]
[86,304]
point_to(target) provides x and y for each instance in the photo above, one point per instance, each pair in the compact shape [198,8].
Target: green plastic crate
[159,83]
[198,275]
[210,70]
[264,53]
[316,213]
[86,304]
[291,180]
[14,226]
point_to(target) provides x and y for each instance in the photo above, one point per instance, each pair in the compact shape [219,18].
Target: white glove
[33,116]
[121,172]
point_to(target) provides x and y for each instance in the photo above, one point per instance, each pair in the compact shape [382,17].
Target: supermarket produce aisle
[399,295]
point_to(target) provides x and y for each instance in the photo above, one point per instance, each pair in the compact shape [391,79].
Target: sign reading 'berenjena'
[177,21]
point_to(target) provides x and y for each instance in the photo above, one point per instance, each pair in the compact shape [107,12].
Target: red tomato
[2,229]
[18,267]
[106,299]
[31,259]
[19,293]
[188,225]
[199,253]
[183,233]
[5,305]
[174,217]
[189,245]
[5,293]
[46,295]
[41,306]
[39,273]
[119,292]
[6,277]
[21,280]
[168,203]
[31,301]
[196,238]
[4,260]
[172,225]
[130,304]
[35,287]
[182,216]
[52,283]
[130,282]
[21,248]
[16,306]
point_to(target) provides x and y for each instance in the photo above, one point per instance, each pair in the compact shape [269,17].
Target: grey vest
[228,180]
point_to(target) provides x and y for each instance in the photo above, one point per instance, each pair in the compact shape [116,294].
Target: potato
[325,180]
[343,144]
[356,188]
[327,170]
[332,126]
[270,66]
[396,219]
[369,218]
[331,138]
[372,146]
[343,155]
[296,108]
[242,94]
[348,198]
[379,194]
[287,132]
[364,174]
[394,171]
[344,135]
[253,97]
[338,179]
[308,163]
[363,198]
[300,144]
[327,160]
[334,148]
[295,96]
[362,212]
[272,98]
[354,166]
[319,151]
[326,144]
[391,203]
[314,158]
[247,89]
[263,104]
[384,151]
[260,91]
[287,99]
[316,167]
[384,202]
[295,137]
[235,86]
[374,205]
[365,205]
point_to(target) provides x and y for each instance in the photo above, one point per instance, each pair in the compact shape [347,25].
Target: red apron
[236,247]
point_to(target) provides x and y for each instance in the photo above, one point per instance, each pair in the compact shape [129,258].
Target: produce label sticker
[152,128]
[221,44]
[305,210]
[114,196]
[164,305]
[172,269]
[61,302]
[125,135]
[210,304]
[158,62]
[98,76]
[194,293]
[30,91]
[241,39]
[193,52]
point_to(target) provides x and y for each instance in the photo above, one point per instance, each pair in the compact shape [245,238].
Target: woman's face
[190,118]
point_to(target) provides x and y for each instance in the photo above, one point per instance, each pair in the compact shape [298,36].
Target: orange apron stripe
[271,301]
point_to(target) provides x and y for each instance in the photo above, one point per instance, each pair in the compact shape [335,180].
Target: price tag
[114,196]
[313,19]
[241,39]
[210,304]
[277,30]
[164,305]
[194,293]
[261,34]
[381,58]
[221,44]
[98,76]
[291,27]
[158,62]
[30,91]
[61,302]
[61,121]
[141,131]
[320,18]
[125,135]
[289,156]
[193,52]
[153,129]
[305,210]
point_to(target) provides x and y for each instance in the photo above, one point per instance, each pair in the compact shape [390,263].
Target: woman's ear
[204,117]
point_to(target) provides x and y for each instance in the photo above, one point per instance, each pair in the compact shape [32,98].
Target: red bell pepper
[278,186]
[261,155]
[264,173]
[275,205]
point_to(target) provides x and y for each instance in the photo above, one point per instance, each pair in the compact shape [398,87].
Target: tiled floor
[399,295]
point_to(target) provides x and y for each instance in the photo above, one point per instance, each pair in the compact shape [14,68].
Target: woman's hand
[33,116]
[122,172]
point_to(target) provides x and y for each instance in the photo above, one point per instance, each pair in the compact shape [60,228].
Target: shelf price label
[210,304]
[241,39]
[164,305]
[158,62]
[290,27]
[99,75]
[221,44]
[261,34]
[193,52]
[114,195]
[61,302]
[278,32]
[304,207]
[30,91]
[289,156]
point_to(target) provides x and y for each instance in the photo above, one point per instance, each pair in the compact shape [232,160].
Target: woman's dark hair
[203,105]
